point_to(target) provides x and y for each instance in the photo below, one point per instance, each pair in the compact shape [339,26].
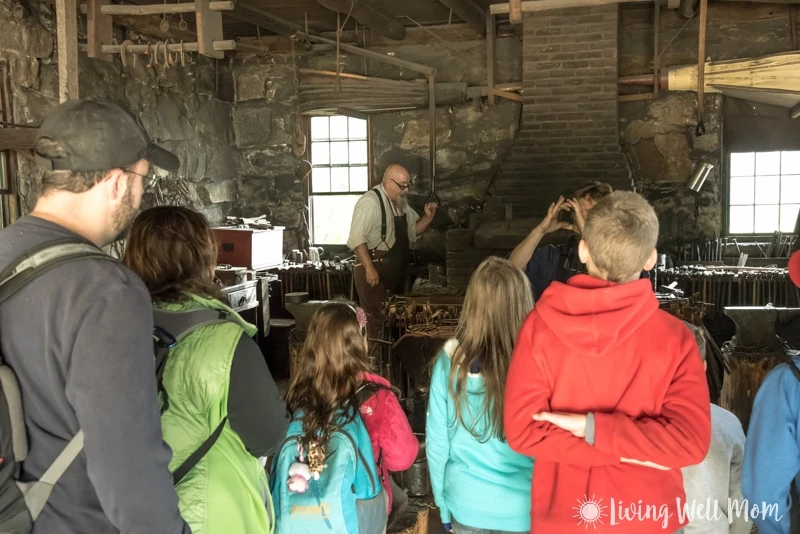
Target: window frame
[726,197]
[309,183]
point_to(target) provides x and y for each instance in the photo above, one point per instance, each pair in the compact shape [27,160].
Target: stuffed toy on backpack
[327,488]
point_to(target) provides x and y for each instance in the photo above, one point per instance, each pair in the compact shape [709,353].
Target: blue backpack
[348,497]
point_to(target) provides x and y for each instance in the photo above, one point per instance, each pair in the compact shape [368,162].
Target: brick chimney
[569,130]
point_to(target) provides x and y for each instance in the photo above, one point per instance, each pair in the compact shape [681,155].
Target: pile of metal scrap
[437,316]
[692,310]
[725,286]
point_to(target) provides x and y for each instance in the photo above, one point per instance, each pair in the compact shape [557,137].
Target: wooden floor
[421,517]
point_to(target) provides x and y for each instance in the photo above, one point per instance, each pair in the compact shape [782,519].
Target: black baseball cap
[100,135]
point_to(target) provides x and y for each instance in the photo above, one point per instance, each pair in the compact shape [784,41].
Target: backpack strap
[366,390]
[39,260]
[198,455]
[36,493]
[170,328]
[22,271]
[794,369]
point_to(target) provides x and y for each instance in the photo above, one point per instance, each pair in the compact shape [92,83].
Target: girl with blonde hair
[479,484]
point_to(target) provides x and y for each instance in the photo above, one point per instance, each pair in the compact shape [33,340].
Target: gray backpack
[22,502]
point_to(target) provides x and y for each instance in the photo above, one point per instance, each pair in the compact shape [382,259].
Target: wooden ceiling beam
[469,12]
[286,27]
[369,54]
[531,6]
[368,15]
[261,22]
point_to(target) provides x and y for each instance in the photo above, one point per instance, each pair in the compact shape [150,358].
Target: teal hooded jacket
[479,481]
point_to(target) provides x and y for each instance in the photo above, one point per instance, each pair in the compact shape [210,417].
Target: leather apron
[394,265]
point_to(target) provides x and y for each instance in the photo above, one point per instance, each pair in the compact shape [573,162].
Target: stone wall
[186,110]
[264,125]
[660,134]
[472,138]
[660,138]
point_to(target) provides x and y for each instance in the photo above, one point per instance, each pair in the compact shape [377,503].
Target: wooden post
[490,30]
[515,11]
[209,29]
[656,47]
[99,31]
[701,66]
[67,28]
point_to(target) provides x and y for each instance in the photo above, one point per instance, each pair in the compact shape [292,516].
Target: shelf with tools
[208,15]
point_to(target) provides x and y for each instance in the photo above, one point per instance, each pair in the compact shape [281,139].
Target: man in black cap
[79,337]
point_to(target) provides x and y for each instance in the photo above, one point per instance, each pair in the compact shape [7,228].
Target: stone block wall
[187,110]
[660,137]
[270,177]
[471,141]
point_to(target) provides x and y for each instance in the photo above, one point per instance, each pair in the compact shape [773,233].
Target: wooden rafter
[369,54]
[531,6]
[370,16]
[469,12]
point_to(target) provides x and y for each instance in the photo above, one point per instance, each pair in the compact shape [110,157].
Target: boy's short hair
[593,190]
[621,232]
[699,337]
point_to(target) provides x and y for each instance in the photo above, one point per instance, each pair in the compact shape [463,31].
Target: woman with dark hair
[215,379]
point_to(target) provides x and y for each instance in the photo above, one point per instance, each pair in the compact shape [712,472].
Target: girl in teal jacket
[479,483]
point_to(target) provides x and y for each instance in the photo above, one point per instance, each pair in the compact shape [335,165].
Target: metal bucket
[415,479]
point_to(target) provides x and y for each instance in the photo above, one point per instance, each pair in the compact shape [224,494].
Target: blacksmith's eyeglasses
[403,187]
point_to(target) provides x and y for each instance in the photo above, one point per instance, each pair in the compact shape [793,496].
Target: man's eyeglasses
[403,187]
[149,180]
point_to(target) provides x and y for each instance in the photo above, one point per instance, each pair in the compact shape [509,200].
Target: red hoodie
[605,348]
[393,441]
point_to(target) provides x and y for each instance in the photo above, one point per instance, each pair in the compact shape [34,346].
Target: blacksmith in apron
[382,232]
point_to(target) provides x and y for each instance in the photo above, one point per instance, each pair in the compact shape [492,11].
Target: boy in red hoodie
[605,390]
